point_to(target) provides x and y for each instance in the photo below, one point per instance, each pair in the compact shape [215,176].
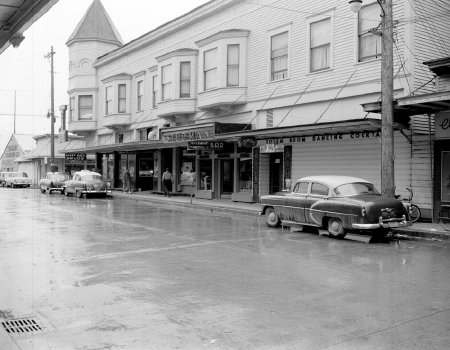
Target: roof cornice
[197,14]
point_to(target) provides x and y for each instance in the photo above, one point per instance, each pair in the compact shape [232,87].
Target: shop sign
[271,148]
[75,156]
[353,135]
[206,145]
[442,126]
[187,135]
[247,142]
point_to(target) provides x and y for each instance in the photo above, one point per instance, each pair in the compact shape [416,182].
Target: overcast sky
[25,70]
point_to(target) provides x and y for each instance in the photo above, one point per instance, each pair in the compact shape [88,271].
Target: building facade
[239,99]
[19,145]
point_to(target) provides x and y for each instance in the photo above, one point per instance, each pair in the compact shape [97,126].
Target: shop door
[275,172]
[227,171]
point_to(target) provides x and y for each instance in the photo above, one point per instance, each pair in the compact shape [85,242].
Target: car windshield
[356,188]
[58,177]
[91,177]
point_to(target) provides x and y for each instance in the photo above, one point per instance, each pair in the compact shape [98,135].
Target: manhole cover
[21,326]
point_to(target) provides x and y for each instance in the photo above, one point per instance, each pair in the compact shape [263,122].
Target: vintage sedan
[53,182]
[339,204]
[86,183]
[17,179]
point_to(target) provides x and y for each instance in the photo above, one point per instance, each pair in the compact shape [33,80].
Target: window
[319,189]
[185,79]
[301,188]
[71,108]
[320,37]
[85,107]
[369,43]
[210,69]
[120,138]
[122,98]
[108,102]
[166,82]
[279,56]
[140,95]
[154,90]
[232,65]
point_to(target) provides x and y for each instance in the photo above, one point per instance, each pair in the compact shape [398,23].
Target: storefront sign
[354,135]
[75,156]
[271,148]
[442,126]
[187,135]
[247,142]
[206,145]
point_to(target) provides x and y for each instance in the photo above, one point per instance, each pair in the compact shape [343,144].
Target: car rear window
[91,177]
[58,177]
[356,188]
[319,189]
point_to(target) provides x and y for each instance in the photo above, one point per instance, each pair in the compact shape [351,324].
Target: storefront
[442,161]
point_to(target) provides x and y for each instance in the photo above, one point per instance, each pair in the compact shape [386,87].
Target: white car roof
[333,180]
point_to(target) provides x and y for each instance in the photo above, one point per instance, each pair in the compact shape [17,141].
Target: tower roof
[96,25]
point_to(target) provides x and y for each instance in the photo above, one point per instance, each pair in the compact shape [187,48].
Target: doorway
[275,172]
[226,177]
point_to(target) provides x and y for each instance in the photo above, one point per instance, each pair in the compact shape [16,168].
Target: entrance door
[276,172]
[227,171]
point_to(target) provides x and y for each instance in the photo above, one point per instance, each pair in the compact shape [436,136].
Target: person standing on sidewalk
[126,182]
[167,182]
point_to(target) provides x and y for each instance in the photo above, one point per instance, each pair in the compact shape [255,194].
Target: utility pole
[52,112]
[387,95]
[387,98]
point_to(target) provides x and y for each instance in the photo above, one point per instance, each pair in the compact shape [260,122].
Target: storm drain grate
[21,326]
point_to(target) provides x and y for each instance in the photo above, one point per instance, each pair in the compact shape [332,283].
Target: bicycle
[414,210]
[444,216]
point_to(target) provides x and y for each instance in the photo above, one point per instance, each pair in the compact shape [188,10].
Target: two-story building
[238,99]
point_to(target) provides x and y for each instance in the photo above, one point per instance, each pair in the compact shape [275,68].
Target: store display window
[205,174]
[188,174]
[245,174]
[445,183]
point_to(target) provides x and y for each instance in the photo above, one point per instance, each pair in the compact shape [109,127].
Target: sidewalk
[419,230]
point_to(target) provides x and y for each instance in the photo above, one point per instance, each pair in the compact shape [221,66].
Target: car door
[295,202]
[318,192]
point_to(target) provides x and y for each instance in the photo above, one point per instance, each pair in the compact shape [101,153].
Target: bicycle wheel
[415,213]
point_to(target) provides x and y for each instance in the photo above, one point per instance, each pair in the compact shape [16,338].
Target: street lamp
[387,95]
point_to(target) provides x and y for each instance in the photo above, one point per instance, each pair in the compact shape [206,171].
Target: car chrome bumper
[96,191]
[391,223]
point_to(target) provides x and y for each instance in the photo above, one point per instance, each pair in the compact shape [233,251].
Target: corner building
[239,99]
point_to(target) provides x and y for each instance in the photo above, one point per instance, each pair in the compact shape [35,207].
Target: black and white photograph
[224,174]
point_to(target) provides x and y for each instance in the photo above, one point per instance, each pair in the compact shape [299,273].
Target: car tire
[335,228]
[79,194]
[66,193]
[272,219]
[42,190]
[49,191]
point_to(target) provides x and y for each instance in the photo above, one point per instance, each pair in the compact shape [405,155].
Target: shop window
[245,174]
[205,174]
[369,42]
[85,105]
[187,165]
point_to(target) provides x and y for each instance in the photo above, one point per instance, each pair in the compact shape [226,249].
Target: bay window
[232,65]
[166,82]
[122,98]
[108,102]
[210,69]
[85,107]
[185,79]
[140,95]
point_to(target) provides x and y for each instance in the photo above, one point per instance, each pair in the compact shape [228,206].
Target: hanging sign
[442,126]
[75,156]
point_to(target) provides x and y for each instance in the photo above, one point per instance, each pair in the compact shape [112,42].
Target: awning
[414,105]
[353,125]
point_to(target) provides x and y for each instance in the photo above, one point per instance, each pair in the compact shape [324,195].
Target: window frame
[71,108]
[272,58]
[166,84]
[187,82]
[233,66]
[212,69]
[80,109]
[155,91]
[108,102]
[121,100]
[364,34]
[140,95]
[328,45]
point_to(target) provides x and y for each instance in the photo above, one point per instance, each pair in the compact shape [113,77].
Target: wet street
[115,274]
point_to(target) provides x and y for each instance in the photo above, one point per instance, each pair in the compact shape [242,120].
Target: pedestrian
[167,182]
[126,182]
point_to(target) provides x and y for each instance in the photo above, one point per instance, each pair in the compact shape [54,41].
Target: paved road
[112,274]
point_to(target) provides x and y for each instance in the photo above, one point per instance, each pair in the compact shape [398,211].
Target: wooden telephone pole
[52,112]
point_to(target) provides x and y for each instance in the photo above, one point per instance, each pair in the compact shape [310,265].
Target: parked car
[16,179]
[336,203]
[86,182]
[53,182]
